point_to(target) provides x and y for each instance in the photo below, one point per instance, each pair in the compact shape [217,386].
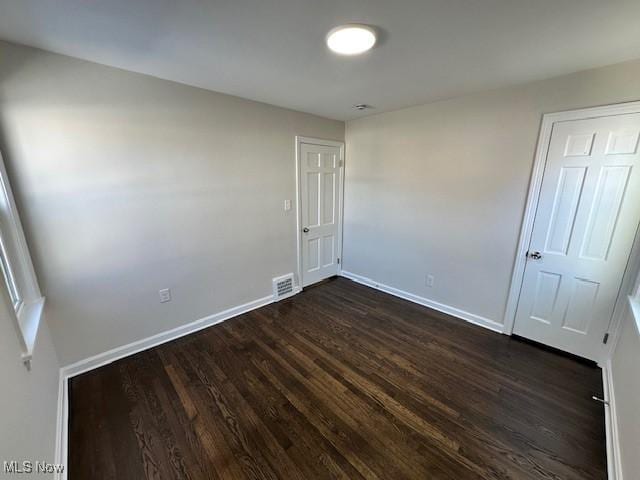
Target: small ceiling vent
[362,106]
[283,287]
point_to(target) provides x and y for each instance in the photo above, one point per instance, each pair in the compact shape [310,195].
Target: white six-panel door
[585,223]
[320,196]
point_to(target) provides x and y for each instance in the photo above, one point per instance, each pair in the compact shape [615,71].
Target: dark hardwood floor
[340,381]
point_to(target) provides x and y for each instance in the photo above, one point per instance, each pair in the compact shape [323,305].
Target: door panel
[546,296]
[585,224]
[578,315]
[320,207]
[604,212]
[564,209]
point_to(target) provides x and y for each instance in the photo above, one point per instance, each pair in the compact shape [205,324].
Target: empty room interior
[292,239]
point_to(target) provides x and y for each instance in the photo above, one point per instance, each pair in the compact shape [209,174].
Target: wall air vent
[283,287]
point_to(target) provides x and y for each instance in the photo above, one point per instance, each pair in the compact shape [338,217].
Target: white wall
[28,402]
[129,184]
[626,385]
[441,188]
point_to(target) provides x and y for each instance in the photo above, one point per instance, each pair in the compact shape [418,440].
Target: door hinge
[341,163]
[338,260]
[606,338]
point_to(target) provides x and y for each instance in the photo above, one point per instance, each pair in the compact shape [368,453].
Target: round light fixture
[351,39]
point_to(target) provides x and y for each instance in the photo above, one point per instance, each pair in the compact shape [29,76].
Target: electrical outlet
[165,295]
[429,281]
[287,205]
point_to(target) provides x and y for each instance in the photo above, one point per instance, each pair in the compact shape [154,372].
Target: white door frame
[330,143]
[548,120]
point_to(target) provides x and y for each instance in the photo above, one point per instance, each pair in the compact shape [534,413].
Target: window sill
[634,306]
[29,317]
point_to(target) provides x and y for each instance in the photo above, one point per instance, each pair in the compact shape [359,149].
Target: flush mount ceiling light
[351,39]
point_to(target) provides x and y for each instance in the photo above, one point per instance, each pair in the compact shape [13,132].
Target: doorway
[320,178]
[582,219]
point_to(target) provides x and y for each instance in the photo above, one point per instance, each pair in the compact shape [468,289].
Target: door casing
[299,140]
[517,278]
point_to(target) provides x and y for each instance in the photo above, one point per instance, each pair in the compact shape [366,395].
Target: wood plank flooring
[340,381]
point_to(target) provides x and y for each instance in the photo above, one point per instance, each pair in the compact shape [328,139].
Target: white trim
[624,302]
[132,348]
[29,316]
[614,461]
[634,308]
[343,180]
[28,313]
[299,140]
[527,225]
[614,454]
[542,149]
[117,353]
[62,427]
[441,307]
[27,280]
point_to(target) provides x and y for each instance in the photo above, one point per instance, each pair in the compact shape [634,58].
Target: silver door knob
[534,255]
[305,230]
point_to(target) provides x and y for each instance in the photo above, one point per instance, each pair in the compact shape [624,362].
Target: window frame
[26,299]
[9,277]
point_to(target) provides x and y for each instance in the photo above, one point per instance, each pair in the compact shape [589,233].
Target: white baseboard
[614,465]
[62,427]
[117,353]
[453,311]
[441,307]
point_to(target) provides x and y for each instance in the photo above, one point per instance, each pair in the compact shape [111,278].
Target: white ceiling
[274,51]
